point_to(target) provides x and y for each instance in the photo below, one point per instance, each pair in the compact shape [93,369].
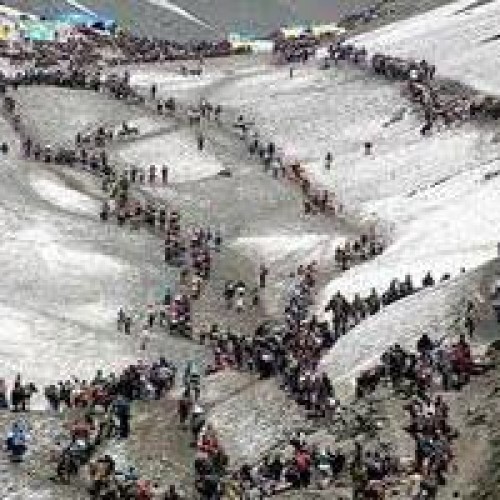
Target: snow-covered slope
[435,311]
[431,192]
[427,190]
[177,150]
[460,38]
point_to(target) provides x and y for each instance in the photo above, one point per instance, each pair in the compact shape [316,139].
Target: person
[255,297]
[144,338]
[240,297]
[105,209]
[127,324]
[4,404]
[201,142]
[152,174]
[172,494]
[164,174]
[217,239]
[16,442]
[469,322]
[192,379]
[184,406]
[328,161]
[428,280]
[18,395]
[263,272]
[424,345]
[303,465]
[121,409]
[229,292]
[52,396]
[198,419]
[133,174]
[121,319]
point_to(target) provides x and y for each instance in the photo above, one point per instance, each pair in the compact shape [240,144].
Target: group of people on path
[355,251]
[346,315]
[89,47]
[97,410]
[425,377]
[101,410]
[190,251]
[441,105]
[289,350]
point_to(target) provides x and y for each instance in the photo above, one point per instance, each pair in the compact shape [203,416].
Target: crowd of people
[189,249]
[104,405]
[20,395]
[434,367]
[440,105]
[302,467]
[352,252]
[317,200]
[238,296]
[122,47]
[293,50]
[100,411]
[136,49]
[374,468]
[289,349]
[345,314]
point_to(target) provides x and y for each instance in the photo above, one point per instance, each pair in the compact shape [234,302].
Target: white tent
[293,31]
[16,15]
[327,29]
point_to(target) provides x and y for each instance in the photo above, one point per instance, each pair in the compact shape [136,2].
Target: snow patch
[169,83]
[94,315]
[44,349]
[44,248]
[63,197]
[279,248]
[178,151]
[433,311]
[456,42]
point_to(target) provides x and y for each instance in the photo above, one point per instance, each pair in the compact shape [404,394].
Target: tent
[15,14]
[261,46]
[326,29]
[249,42]
[293,31]
[240,37]
[88,21]
[39,31]
[44,31]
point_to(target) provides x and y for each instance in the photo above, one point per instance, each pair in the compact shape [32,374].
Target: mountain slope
[185,19]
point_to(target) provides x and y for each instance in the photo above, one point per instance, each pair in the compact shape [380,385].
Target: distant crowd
[92,48]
